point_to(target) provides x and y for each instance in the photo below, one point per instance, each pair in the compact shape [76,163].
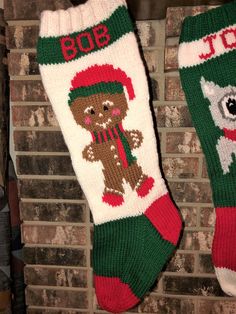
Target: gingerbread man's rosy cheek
[87,120]
[116,112]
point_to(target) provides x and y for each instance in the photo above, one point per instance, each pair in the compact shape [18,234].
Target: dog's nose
[100,115]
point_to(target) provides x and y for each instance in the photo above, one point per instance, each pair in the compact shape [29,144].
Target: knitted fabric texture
[95,80]
[207,69]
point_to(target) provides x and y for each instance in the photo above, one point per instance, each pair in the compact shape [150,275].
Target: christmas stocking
[207,61]
[95,80]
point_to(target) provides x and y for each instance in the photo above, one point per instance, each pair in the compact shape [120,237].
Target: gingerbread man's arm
[135,138]
[89,153]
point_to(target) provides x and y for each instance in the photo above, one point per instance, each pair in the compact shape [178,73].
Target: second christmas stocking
[95,80]
[207,61]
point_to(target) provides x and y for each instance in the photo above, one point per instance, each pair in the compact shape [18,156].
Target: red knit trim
[145,187]
[122,153]
[113,199]
[165,217]
[93,137]
[121,127]
[113,295]
[223,248]
[99,138]
[104,136]
[111,134]
[103,73]
[230,134]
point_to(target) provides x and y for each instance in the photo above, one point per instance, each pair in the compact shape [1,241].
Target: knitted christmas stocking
[207,61]
[95,80]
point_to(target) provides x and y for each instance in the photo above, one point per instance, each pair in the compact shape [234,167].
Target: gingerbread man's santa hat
[100,79]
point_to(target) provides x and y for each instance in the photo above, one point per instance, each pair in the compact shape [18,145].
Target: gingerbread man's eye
[90,110]
[105,108]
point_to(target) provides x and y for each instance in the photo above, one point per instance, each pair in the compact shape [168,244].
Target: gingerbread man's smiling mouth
[104,124]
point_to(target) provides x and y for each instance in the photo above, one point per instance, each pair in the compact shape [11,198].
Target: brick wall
[57,225]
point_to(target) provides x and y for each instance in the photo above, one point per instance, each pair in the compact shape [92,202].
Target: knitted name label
[61,49]
[85,42]
[210,46]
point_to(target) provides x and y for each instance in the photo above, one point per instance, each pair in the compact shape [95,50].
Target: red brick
[189,215]
[204,169]
[54,256]
[146,33]
[171,58]
[20,36]
[192,286]
[56,298]
[178,167]
[175,16]
[57,235]
[33,116]
[159,304]
[42,310]
[22,63]
[55,276]
[31,9]
[196,240]
[182,142]
[27,91]
[39,141]
[155,89]
[56,189]
[151,58]
[205,264]
[181,263]
[53,212]
[191,192]
[44,165]
[173,116]
[173,89]
[217,306]
[207,217]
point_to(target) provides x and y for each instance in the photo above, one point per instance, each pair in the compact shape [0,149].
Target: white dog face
[223,103]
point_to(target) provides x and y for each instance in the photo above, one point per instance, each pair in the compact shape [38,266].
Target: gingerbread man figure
[98,103]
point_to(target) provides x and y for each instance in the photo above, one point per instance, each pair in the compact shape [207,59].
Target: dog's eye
[105,108]
[231,106]
[228,106]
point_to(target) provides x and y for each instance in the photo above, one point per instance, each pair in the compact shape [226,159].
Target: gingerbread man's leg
[138,180]
[113,192]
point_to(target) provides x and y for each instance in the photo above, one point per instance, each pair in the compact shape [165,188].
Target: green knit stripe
[108,135]
[125,247]
[96,136]
[196,27]
[118,24]
[129,156]
[102,87]
[221,72]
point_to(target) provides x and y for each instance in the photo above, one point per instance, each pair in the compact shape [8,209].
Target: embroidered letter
[209,40]
[68,48]
[101,35]
[225,39]
[81,38]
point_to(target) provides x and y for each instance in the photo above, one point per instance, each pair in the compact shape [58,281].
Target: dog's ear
[209,89]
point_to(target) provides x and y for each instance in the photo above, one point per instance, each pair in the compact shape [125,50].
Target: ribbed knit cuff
[198,26]
[75,19]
